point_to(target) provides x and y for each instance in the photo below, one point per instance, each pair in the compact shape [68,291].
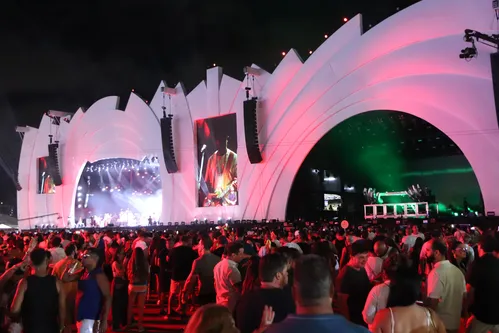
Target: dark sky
[60,55]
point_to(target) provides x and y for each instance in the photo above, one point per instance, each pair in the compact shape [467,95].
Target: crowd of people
[254,279]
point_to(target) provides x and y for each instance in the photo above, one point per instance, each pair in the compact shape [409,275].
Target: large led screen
[45,179]
[217,161]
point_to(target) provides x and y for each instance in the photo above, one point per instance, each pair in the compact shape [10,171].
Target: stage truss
[394,210]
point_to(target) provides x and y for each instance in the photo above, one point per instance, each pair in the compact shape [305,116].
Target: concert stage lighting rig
[472,36]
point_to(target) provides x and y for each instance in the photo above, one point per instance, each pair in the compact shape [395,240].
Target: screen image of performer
[45,180]
[48,185]
[221,174]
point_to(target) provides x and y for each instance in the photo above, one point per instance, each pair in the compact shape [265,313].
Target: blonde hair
[211,318]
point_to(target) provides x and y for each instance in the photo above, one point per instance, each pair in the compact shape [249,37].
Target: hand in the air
[267,318]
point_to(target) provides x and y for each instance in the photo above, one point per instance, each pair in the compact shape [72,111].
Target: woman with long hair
[415,254]
[403,314]
[324,249]
[154,276]
[119,289]
[138,276]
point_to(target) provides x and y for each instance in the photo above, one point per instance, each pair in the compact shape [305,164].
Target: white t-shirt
[446,283]
[376,301]
[142,244]
[57,254]
[374,265]
[410,240]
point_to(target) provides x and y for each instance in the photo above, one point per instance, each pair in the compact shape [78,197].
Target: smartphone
[72,269]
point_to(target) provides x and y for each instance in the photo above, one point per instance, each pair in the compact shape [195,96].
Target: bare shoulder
[437,321]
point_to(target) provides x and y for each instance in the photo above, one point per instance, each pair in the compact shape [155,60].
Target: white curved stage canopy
[409,63]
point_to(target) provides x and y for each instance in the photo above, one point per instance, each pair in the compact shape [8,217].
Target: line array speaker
[53,163]
[251,131]
[494,64]
[167,140]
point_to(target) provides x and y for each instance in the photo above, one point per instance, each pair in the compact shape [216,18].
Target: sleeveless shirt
[40,308]
[89,297]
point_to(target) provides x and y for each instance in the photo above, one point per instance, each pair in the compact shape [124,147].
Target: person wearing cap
[353,282]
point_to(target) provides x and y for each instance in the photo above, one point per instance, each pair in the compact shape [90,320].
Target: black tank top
[40,308]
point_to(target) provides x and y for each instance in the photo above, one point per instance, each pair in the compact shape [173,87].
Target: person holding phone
[93,300]
[70,287]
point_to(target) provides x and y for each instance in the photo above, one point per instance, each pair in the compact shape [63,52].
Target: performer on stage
[48,185]
[221,174]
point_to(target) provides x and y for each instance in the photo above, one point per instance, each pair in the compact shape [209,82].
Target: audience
[282,289]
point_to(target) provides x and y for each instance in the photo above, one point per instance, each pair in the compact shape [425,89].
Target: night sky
[68,54]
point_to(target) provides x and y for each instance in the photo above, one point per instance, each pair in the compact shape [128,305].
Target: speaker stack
[251,131]
[53,162]
[494,64]
[167,140]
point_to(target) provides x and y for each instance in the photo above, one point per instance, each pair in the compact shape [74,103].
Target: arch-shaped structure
[408,62]
[387,150]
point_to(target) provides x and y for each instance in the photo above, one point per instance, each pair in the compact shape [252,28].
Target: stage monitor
[46,183]
[332,202]
[217,161]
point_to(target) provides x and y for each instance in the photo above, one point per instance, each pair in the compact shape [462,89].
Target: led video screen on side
[217,161]
[332,202]
[45,179]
